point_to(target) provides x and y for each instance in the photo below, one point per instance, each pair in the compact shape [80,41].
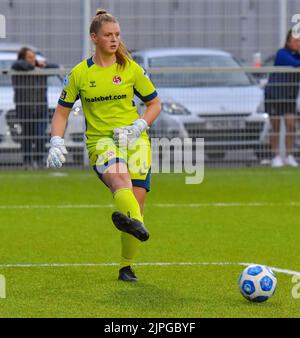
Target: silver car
[226,109]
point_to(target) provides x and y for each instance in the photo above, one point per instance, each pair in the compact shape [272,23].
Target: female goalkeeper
[116,138]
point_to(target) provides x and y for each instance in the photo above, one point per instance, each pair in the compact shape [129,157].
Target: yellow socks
[128,205]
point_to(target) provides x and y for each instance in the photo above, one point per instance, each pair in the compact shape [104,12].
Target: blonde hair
[102,17]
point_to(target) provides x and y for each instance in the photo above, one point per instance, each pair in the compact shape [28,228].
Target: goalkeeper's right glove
[57,151]
[126,136]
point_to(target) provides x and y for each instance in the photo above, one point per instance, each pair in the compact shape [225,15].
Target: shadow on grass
[143,299]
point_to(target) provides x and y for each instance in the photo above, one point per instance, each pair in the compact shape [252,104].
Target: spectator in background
[30,96]
[280,97]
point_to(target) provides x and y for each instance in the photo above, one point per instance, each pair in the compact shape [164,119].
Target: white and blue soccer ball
[257,283]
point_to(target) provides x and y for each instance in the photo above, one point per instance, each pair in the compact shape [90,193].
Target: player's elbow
[156,105]
[62,111]
[60,115]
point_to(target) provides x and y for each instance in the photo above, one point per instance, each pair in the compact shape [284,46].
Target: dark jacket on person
[284,86]
[30,91]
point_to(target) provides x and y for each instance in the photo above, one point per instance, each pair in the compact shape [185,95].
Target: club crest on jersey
[117,80]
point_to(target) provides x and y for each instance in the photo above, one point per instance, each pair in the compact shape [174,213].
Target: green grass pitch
[234,216]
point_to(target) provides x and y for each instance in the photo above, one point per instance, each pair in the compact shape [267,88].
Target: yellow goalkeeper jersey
[106,95]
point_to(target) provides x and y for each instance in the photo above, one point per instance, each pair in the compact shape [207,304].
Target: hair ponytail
[102,17]
[101,11]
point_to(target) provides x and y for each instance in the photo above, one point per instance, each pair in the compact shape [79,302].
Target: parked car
[10,129]
[227,109]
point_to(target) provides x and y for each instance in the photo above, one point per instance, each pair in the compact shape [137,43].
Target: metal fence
[225,106]
[243,27]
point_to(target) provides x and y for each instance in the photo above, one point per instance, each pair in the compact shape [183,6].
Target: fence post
[282,21]
[86,9]
[2,27]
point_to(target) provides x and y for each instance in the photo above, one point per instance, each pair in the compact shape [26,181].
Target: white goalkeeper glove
[57,151]
[126,136]
[120,137]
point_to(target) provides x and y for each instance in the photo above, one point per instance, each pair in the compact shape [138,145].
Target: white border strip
[59,265]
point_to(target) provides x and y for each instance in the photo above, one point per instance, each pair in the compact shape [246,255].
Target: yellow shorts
[138,159]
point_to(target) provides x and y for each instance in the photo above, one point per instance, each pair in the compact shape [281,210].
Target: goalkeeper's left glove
[126,136]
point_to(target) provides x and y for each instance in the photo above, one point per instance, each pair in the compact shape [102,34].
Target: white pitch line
[155,205]
[57,206]
[33,175]
[88,174]
[224,204]
[54,265]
